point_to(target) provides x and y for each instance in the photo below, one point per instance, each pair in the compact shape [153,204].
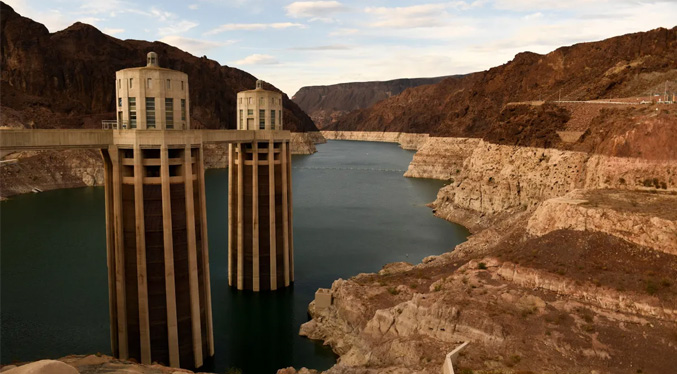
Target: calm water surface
[353,213]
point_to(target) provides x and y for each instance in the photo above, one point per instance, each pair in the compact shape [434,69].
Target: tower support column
[273,230]
[263,223]
[141,271]
[192,257]
[168,241]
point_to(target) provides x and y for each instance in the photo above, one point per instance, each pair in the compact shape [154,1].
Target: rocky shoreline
[570,269]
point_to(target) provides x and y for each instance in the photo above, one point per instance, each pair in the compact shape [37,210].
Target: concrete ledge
[570,136]
[448,366]
[22,139]
[14,140]
[323,298]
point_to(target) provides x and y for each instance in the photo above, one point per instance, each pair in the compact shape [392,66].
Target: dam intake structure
[260,238]
[156,220]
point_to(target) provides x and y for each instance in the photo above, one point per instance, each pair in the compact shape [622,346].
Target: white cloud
[257,59]
[193,6]
[196,47]
[315,10]
[253,27]
[102,6]
[162,15]
[177,28]
[344,32]
[329,47]
[425,15]
[111,31]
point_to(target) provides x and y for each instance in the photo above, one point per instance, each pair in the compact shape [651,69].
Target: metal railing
[114,125]
[124,125]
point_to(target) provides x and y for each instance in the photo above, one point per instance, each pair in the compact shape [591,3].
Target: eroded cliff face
[441,158]
[405,140]
[497,179]
[643,218]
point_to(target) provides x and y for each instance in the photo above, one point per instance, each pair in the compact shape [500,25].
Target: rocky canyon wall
[405,140]
[498,179]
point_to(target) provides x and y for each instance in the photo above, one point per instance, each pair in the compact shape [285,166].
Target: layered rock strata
[496,179]
[441,158]
[517,318]
[643,218]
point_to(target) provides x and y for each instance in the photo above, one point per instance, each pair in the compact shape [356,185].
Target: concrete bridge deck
[22,139]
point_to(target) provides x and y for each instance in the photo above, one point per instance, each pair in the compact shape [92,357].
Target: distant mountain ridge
[325,104]
[471,105]
[65,79]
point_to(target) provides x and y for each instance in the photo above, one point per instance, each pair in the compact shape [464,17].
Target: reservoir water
[353,213]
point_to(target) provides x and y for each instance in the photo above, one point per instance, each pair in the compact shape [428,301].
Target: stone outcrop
[441,158]
[43,367]
[405,140]
[91,364]
[643,218]
[304,143]
[48,170]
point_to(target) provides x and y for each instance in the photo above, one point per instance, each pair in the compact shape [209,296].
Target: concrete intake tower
[156,218]
[260,238]
[158,260]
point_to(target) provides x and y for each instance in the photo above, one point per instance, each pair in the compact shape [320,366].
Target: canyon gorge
[572,204]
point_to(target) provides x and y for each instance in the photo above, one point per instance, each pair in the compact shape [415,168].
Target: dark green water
[353,213]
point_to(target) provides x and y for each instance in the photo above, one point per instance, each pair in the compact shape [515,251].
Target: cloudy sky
[300,43]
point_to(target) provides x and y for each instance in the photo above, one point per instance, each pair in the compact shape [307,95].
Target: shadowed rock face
[65,79]
[326,104]
[470,106]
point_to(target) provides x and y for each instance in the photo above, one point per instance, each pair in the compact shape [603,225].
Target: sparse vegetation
[528,311]
[651,287]
[393,291]
[513,360]
[655,183]
[482,266]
